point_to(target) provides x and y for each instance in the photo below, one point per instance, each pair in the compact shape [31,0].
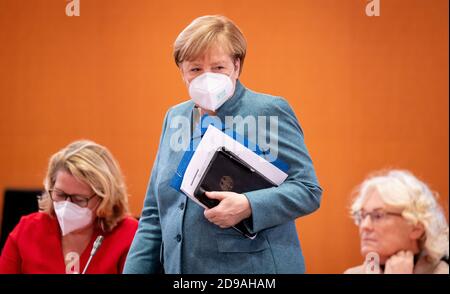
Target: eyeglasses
[58,195]
[376,216]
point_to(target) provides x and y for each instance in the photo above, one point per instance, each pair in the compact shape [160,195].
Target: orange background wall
[370,92]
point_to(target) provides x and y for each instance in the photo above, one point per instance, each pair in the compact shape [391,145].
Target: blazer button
[181,206]
[178,238]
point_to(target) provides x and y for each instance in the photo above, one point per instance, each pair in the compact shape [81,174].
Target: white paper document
[212,140]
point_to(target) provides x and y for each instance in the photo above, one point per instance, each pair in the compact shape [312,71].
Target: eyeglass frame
[375,216]
[86,199]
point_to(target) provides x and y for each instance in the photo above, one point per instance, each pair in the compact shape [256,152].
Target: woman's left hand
[233,208]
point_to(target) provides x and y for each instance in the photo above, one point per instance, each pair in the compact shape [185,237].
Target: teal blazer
[173,235]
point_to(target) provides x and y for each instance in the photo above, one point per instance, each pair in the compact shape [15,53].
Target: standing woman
[176,235]
[85,197]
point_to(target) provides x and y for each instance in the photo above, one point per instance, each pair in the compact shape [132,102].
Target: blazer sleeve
[300,194]
[144,254]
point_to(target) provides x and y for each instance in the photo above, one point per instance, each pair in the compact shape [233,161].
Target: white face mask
[210,90]
[72,217]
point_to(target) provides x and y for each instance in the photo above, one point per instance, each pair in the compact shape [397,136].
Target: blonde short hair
[401,189]
[94,165]
[206,31]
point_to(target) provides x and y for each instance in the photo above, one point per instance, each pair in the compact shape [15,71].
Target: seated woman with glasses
[85,202]
[402,227]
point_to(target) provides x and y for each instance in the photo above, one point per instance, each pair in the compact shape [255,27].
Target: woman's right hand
[400,263]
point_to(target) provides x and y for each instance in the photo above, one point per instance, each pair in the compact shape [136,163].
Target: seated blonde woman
[402,227]
[85,200]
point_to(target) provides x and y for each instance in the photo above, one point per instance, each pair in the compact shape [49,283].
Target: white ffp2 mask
[210,90]
[72,217]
